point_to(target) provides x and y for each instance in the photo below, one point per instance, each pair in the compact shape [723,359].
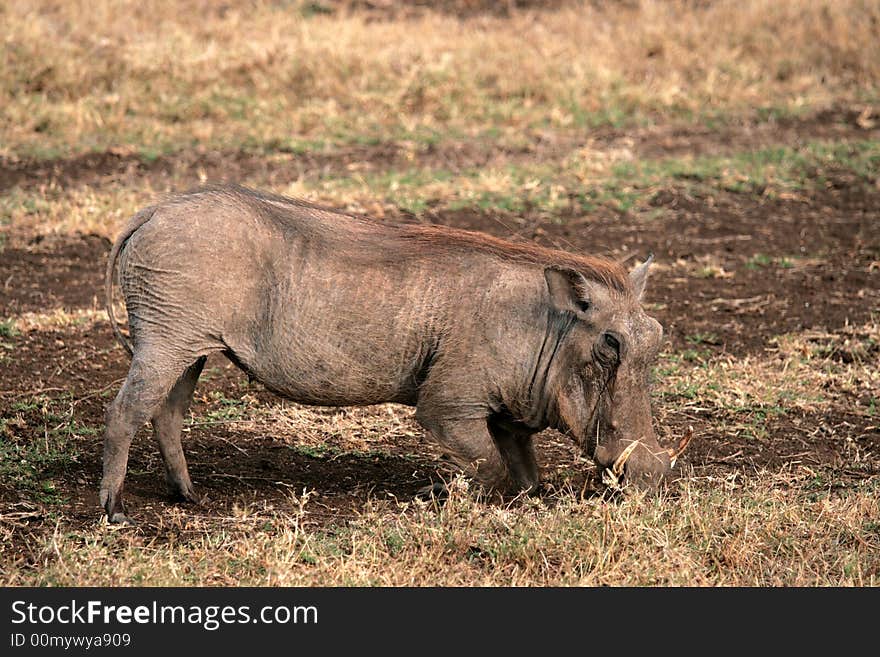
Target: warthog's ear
[567,289]
[639,276]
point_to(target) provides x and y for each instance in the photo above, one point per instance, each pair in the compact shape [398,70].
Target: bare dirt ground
[829,240]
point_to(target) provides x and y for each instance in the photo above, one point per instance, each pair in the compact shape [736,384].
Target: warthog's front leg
[518,452]
[471,447]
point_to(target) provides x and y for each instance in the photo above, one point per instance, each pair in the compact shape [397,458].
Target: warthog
[490,340]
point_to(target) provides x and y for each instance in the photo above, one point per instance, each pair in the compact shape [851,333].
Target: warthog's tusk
[617,468]
[682,445]
[611,476]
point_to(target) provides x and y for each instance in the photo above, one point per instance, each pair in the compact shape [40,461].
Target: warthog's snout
[643,463]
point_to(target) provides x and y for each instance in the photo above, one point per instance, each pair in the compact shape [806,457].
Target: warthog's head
[602,374]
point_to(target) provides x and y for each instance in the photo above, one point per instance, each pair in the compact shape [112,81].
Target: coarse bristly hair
[600,269]
[603,270]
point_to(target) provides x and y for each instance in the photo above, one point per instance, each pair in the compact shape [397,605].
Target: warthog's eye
[583,305]
[607,350]
[613,342]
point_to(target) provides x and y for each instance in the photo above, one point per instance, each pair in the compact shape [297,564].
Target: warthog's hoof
[437,492]
[113,507]
[120,518]
[185,496]
[537,490]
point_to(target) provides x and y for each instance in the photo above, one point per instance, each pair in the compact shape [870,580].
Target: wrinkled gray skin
[490,341]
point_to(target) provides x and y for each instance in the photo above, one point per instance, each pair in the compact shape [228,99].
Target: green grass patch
[38,444]
[8,329]
[226,408]
[769,171]
[707,338]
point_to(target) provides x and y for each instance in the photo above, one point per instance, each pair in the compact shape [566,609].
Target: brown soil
[830,239]
[52,272]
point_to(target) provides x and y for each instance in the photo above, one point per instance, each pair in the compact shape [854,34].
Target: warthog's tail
[134,223]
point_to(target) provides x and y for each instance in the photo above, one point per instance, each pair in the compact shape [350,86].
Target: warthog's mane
[416,237]
[602,270]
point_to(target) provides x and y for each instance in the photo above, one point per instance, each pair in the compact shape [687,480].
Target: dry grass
[86,210]
[58,319]
[95,75]
[809,373]
[763,531]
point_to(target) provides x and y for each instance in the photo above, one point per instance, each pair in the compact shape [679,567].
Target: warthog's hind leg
[146,387]
[167,425]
